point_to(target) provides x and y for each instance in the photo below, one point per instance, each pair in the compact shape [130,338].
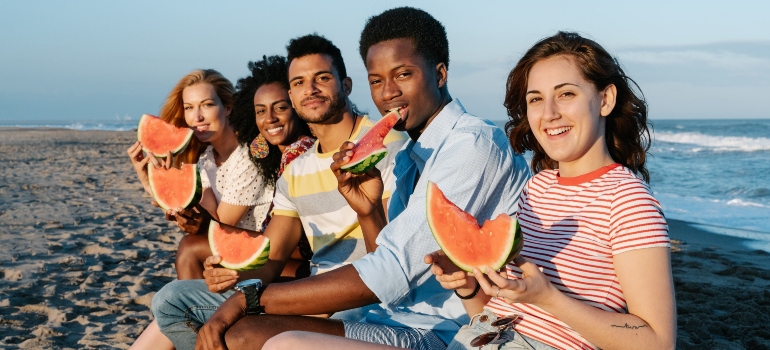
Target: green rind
[194,199]
[174,151]
[255,263]
[367,163]
[516,243]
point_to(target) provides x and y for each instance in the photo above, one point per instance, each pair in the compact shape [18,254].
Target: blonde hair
[173,109]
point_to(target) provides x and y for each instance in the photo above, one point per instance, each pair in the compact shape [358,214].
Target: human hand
[533,287]
[211,335]
[139,162]
[218,279]
[449,275]
[194,221]
[363,192]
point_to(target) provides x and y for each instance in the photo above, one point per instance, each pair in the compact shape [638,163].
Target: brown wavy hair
[627,133]
[173,109]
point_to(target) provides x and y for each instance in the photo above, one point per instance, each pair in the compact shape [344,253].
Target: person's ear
[441,74]
[609,95]
[347,86]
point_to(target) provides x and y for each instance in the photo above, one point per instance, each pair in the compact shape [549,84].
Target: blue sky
[93,60]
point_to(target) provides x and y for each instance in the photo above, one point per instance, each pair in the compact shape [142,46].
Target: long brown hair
[173,109]
[627,134]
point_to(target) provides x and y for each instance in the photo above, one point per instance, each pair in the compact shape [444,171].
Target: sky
[107,60]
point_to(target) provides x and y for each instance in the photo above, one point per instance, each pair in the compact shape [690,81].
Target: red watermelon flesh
[370,149]
[158,137]
[175,188]
[240,249]
[458,234]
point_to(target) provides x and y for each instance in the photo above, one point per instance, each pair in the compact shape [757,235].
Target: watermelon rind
[367,163]
[257,260]
[514,243]
[193,197]
[174,150]
[375,156]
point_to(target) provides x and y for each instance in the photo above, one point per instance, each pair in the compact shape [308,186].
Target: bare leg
[192,252]
[152,338]
[253,331]
[308,340]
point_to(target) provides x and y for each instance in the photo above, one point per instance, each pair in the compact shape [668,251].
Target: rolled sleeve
[388,284]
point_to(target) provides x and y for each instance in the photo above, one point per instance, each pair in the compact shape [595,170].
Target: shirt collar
[435,133]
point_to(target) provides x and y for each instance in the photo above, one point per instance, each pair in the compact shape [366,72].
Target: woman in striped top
[595,270]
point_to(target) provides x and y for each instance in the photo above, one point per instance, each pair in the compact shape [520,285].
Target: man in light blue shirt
[406,54]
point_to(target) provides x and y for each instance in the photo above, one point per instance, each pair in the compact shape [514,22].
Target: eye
[567,94]
[259,111]
[187,108]
[374,81]
[534,100]
[324,78]
[281,108]
[297,83]
[403,75]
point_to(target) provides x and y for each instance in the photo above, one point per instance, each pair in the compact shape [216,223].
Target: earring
[259,147]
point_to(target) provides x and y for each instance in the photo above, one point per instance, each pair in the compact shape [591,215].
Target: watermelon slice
[158,137]
[464,242]
[240,249]
[369,150]
[175,188]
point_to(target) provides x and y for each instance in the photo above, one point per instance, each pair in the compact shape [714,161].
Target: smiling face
[274,116]
[317,93]
[567,115]
[204,111]
[400,78]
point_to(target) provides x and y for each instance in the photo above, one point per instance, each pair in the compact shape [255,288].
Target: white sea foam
[714,143]
[74,126]
[735,217]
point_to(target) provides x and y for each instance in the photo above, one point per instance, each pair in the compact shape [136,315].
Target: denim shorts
[482,323]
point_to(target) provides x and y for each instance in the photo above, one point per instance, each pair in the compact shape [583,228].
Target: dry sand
[84,252]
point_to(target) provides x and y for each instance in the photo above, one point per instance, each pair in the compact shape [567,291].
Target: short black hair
[313,44]
[428,34]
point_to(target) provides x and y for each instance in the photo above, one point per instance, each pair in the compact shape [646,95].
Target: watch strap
[253,295]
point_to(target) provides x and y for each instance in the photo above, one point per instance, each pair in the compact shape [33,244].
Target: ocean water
[714,173]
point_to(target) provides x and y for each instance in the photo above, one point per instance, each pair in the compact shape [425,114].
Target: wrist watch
[252,289]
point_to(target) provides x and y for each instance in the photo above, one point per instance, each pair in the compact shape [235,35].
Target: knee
[163,300]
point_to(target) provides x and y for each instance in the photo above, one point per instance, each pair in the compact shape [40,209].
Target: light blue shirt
[472,162]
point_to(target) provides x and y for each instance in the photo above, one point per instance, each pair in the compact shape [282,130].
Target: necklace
[355,121]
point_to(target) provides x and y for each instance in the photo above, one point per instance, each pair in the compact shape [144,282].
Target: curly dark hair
[627,134]
[269,70]
[427,34]
[313,44]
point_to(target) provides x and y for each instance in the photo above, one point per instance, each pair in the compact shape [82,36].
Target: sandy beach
[84,252]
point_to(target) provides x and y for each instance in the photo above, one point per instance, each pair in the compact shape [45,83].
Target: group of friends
[353,263]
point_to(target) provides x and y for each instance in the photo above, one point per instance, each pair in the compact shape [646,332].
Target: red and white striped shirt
[572,228]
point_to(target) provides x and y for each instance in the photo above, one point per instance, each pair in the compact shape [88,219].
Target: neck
[331,136]
[415,133]
[225,145]
[596,157]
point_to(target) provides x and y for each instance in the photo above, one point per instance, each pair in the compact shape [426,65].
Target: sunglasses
[502,325]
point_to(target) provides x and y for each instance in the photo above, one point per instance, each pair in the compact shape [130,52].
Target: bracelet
[470,296]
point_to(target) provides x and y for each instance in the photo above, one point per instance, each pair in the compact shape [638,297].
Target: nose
[390,90]
[551,110]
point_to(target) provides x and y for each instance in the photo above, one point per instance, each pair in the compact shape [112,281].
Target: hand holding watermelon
[218,279]
[449,275]
[533,287]
[362,191]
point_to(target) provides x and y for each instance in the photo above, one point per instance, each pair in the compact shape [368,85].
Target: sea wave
[74,126]
[714,143]
[738,213]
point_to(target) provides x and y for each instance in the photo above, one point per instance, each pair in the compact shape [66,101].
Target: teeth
[558,131]
[274,130]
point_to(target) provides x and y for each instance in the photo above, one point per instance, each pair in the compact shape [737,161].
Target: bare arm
[645,277]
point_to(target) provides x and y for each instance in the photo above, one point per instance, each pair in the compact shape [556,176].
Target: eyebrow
[272,104]
[555,88]
[208,99]
[394,68]
[315,75]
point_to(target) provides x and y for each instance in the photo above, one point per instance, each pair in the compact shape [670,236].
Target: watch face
[257,283]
